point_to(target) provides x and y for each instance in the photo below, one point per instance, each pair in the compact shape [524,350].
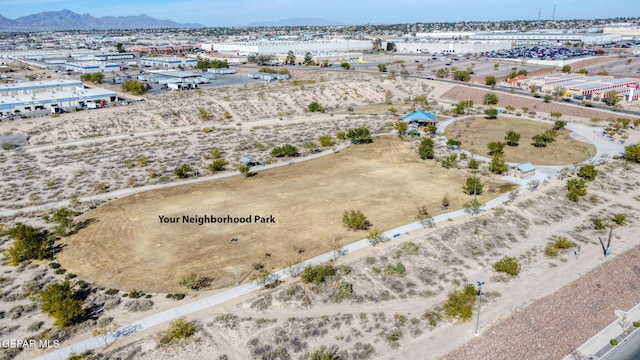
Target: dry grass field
[127,247]
[477,133]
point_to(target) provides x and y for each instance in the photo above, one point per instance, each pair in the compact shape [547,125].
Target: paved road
[628,349]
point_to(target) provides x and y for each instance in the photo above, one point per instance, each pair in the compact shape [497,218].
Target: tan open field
[477,133]
[127,247]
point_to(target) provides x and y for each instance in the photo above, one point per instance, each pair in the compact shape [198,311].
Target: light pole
[480,283]
[235,253]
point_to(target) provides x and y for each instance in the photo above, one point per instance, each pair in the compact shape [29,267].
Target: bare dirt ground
[477,133]
[126,246]
[383,319]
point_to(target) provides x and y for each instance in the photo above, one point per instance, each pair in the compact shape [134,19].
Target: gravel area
[554,326]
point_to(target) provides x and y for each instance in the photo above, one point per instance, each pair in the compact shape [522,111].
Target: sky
[243,12]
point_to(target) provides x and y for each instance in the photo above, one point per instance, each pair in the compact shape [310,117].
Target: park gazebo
[524,170]
[421,118]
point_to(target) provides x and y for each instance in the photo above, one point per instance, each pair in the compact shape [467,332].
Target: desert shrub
[285,150]
[588,172]
[460,303]
[112,291]
[326,140]
[179,329]
[613,342]
[135,294]
[619,219]
[359,135]
[576,188]
[375,237]
[29,244]
[600,223]
[395,270]
[175,296]
[564,243]
[195,281]
[410,248]
[433,318]
[449,161]
[355,220]
[343,291]
[218,165]
[636,324]
[317,273]
[551,250]
[508,265]
[139,305]
[323,353]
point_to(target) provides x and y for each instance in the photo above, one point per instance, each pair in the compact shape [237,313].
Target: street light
[480,283]
[235,253]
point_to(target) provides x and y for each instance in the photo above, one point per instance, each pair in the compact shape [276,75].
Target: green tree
[245,169]
[612,97]
[291,58]
[490,81]
[326,140]
[63,218]
[308,59]
[382,67]
[461,75]
[588,172]
[426,150]
[566,69]
[95,78]
[285,150]
[576,188]
[218,165]
[547,98]
[359,135]
[134,86]
[491,113]
[498,165]
[401,127]
[473,186]
[355,220]
[443,73]
[120,48]
[449,161]
[315,107]
[183,171]
[490,99]
[454,143]
[460,303]
[632,153]
[473,206]
[61,302]
[317,273]
[539,140]
[345,65]
[558,124]
[495,147]
[29,244]
[512,138]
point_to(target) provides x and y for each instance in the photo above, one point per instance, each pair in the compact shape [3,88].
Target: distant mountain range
[69,20]
[296,22]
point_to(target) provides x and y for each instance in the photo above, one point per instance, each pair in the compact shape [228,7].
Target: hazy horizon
[243,12]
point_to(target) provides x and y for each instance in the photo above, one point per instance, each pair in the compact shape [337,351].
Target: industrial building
[548,38]
[447,47]
[51,94]
[580,87]
[168,62]
[283,47]
[92,67]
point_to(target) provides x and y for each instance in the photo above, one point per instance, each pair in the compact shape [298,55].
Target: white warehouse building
[168,62]
[544,38]
[449,47]
[282,47]
[92,67]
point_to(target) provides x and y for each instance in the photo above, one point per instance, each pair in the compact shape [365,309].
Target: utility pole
[480,283]
[235,253]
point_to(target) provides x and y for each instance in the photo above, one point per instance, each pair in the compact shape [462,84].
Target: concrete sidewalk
[599,346]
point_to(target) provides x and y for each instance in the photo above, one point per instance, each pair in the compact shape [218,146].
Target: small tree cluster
[61,302]
[588,172]
[95,78]
[285,150]
[541,140]
[134,86]
[508,265]
[490,99]
[317,273]
[29,244]
[359,135]
[426,149]
[459,304]
[495,147]
[576,188]
[355,220]
[212,64]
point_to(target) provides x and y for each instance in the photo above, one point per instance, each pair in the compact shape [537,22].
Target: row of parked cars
[542,53]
